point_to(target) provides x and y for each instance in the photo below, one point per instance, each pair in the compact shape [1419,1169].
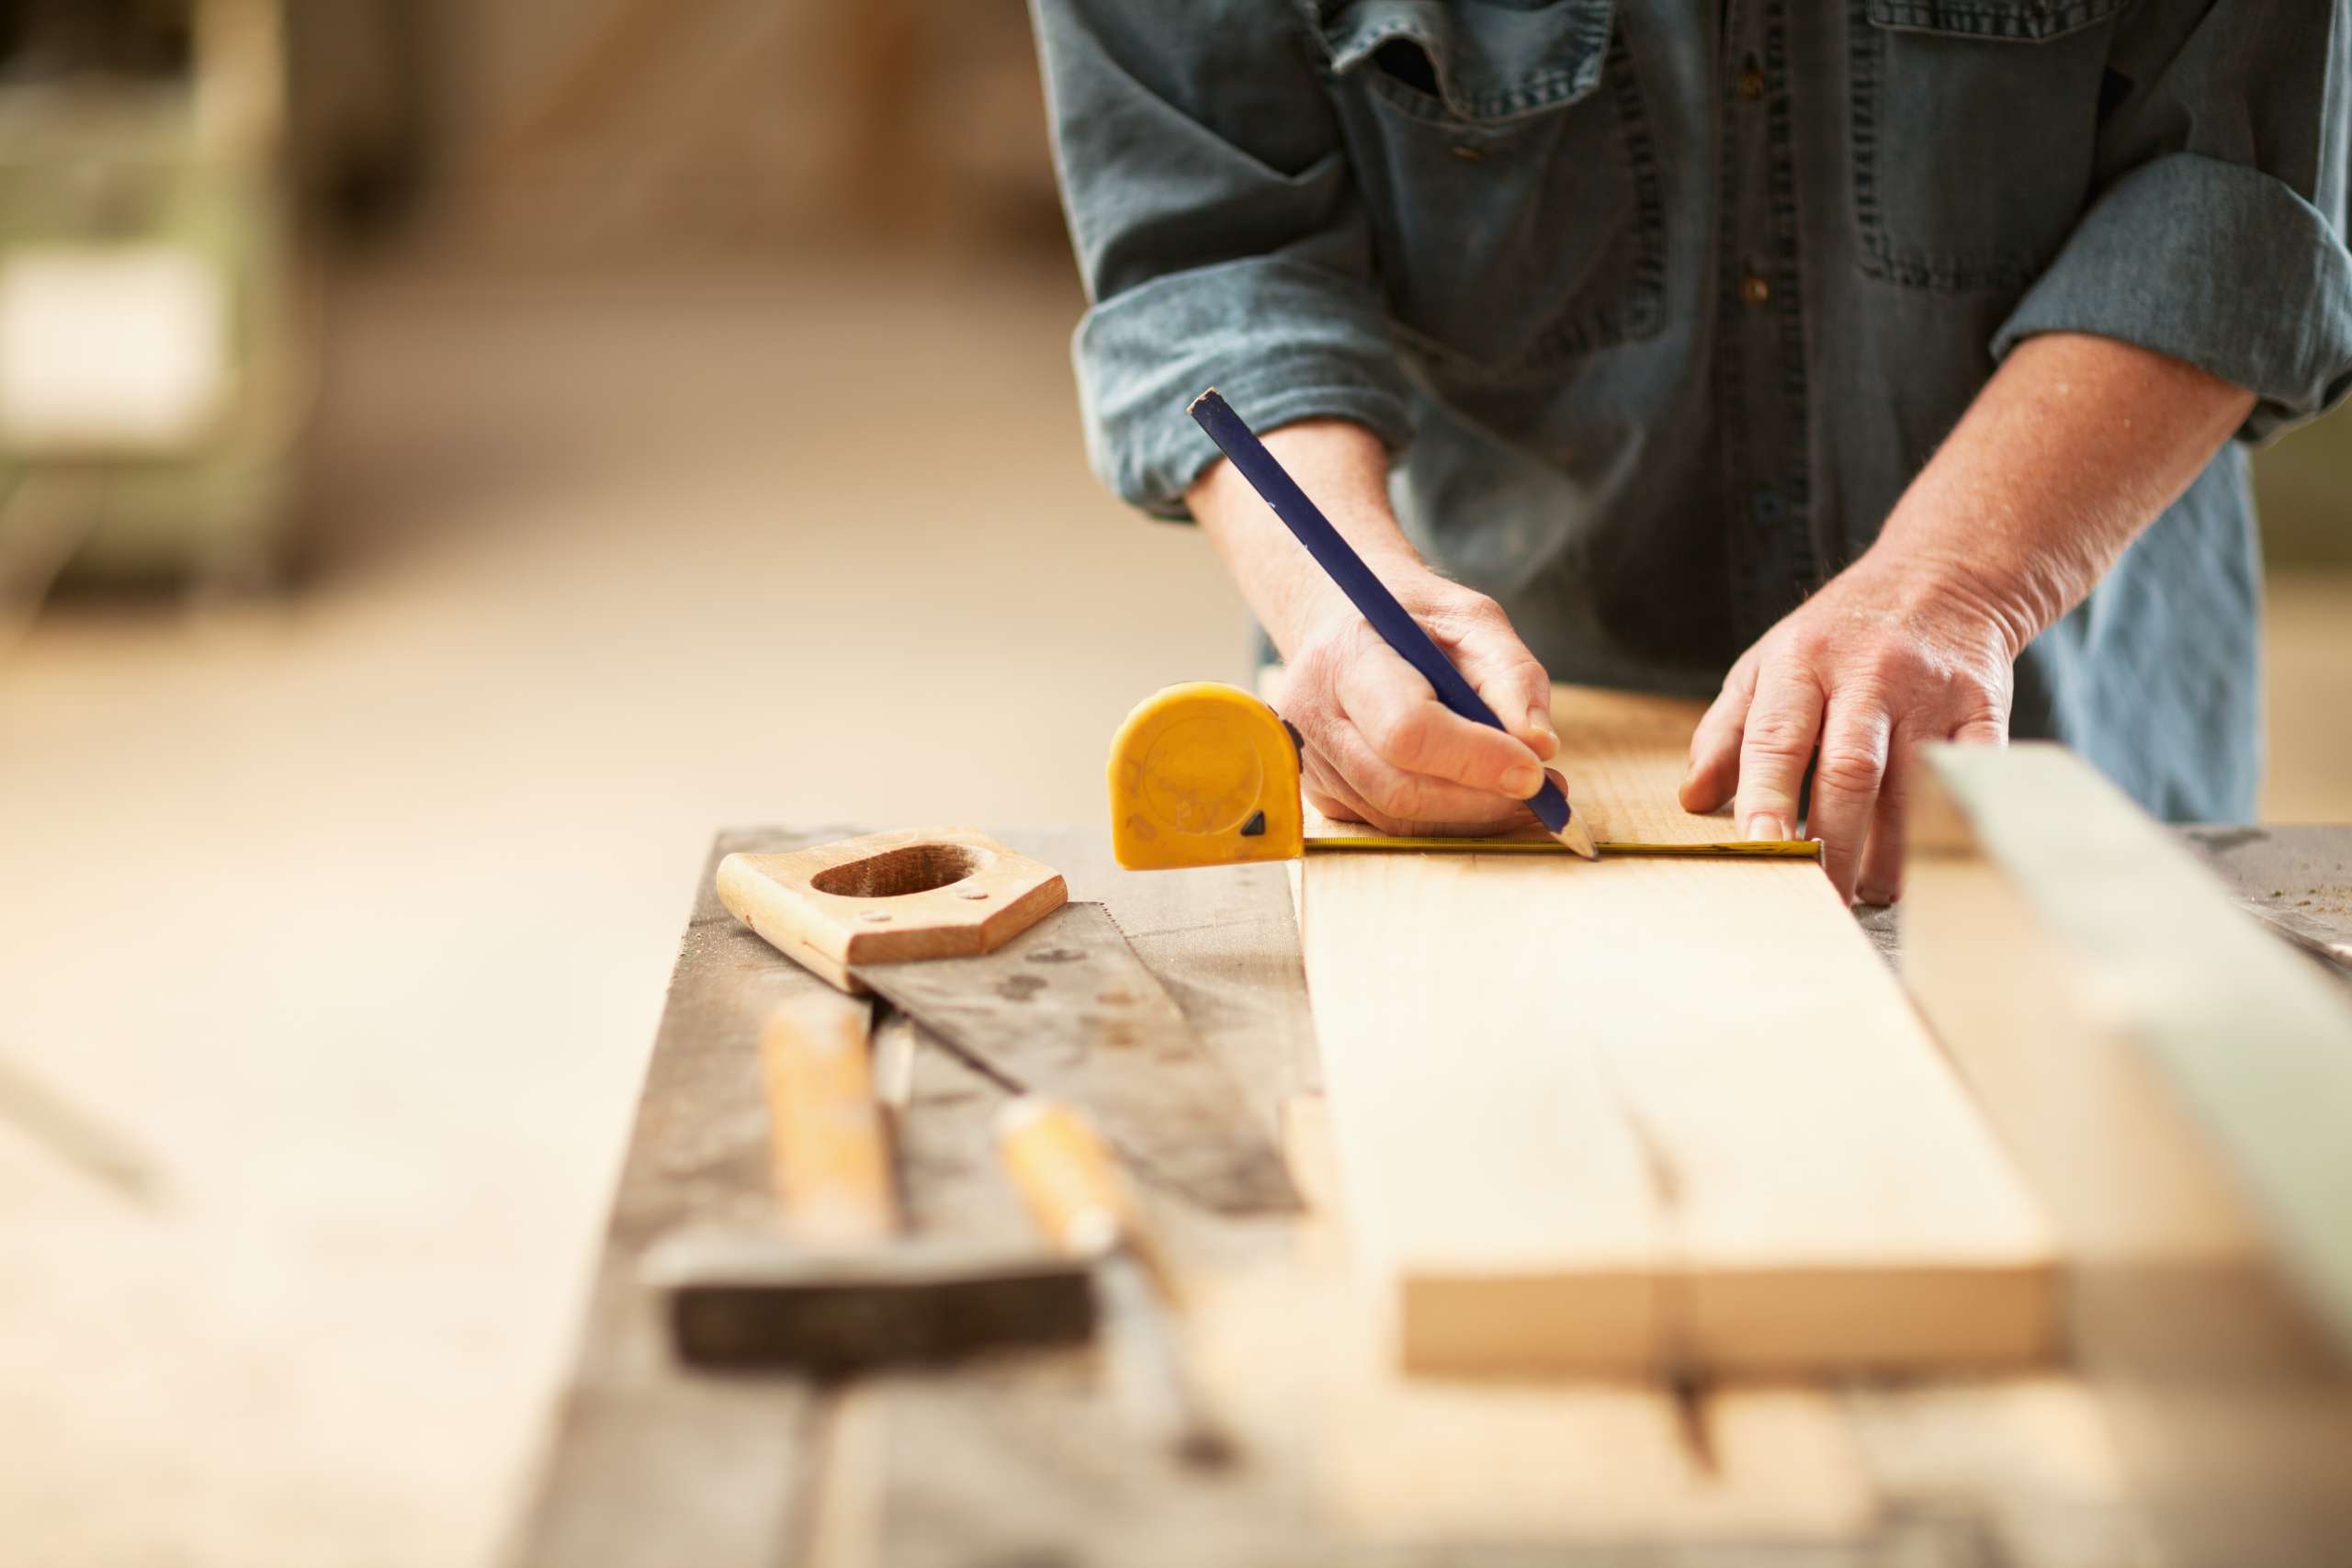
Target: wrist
[1314,606]
[1981,576]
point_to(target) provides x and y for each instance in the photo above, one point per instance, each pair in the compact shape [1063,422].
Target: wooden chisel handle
[1072,1183]
[1078,1197]
[829,1143]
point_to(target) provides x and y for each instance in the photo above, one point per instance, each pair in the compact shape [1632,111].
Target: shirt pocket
[1974,124]
[1507,174]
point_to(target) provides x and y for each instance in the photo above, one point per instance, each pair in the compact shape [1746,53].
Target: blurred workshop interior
[500,443]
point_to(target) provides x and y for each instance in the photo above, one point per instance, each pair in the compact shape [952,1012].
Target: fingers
[1881,879]
[1846,785]
[1330,794]
[1411,733]
[1501,670]
[1775,745]
[1338,800]
[1413,803]
[1983,729]
[1347,777]
[1714,745]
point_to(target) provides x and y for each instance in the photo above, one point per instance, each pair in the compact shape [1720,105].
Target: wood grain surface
[1615,1116]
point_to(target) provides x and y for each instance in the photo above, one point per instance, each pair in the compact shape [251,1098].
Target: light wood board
[1606,1117]
[1400,1457]
[2177,1081]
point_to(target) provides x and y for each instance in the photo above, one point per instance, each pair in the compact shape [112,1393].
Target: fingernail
[1765,828]
[1522,781]
[1877,897]
[1540,720]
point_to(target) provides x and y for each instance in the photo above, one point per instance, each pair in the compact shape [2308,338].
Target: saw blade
[1067,1009]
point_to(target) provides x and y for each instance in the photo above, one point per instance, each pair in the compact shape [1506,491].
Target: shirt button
[1754,289]
[1751,83]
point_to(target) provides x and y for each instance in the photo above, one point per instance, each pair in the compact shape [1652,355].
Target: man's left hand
[1889,654]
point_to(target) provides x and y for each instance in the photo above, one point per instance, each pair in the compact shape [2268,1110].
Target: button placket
[1760,384]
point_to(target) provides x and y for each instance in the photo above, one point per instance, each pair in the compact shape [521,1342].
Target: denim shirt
[1662,303]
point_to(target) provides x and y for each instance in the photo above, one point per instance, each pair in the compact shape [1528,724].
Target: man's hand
[2076,445]
[1382,748]
[1888,655]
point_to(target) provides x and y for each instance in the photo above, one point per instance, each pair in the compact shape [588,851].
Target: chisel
[1072,1185]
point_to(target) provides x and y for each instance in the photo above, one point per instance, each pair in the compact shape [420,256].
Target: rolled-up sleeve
[2217,234]
[1218,232]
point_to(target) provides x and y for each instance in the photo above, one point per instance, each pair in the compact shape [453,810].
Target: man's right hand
[1381,749]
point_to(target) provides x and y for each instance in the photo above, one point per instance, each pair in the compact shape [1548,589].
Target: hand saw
[977,944]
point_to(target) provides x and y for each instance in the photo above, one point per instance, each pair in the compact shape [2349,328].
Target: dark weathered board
[655,1463]
[1064,1009]
[1024,1458]
[2297,877]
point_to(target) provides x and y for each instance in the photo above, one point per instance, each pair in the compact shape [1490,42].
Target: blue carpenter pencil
[1364,590]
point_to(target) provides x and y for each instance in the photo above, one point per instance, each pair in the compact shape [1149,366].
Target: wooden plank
[2177,1082]
[1403,1459]
[653,1464]
[1604,1117]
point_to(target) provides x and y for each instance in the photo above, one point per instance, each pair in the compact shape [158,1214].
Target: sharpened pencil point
[1578,836]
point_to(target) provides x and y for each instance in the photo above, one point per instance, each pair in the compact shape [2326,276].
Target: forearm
[1345,469]
[2074,448]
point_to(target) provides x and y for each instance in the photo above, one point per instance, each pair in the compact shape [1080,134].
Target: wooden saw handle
[829,1143]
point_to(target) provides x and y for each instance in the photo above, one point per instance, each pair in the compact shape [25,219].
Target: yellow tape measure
[1205,774]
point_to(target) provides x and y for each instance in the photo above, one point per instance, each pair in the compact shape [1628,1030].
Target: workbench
[1020,1457]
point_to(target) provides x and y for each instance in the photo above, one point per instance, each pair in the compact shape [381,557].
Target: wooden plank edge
[1792,1321]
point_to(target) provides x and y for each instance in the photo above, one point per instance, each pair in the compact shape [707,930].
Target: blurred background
[499,444]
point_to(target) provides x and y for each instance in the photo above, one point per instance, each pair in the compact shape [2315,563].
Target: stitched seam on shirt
[1796,482]
[1882,257]
[2026,21]
[1453,106]
[1730,432]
